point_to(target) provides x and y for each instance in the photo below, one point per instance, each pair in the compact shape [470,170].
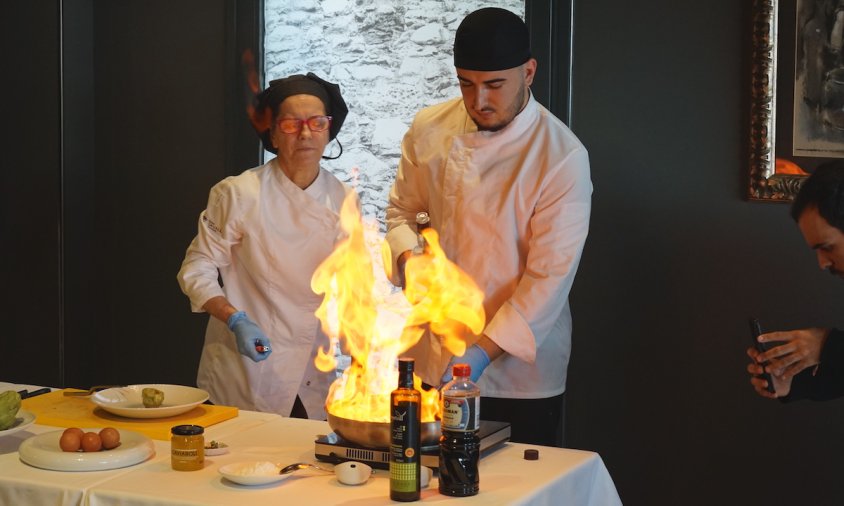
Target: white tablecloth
[560,476]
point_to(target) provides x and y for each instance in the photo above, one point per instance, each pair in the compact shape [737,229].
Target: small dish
[216,448]
[128,401]
[22,420]
[253,473]
[356,473]
[43,451]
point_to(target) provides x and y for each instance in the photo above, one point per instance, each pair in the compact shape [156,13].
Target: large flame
[443,295]
[376,325]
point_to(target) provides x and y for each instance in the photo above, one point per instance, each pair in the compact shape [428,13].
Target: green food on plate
[153,397]
[10,403]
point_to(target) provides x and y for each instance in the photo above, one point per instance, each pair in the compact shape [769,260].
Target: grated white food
[257,469]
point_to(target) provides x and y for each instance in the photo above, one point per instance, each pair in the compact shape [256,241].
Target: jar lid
[187,430]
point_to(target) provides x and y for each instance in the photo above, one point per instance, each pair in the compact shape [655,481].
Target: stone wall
[390,58]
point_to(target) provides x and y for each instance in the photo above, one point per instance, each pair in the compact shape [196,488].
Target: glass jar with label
[187,447]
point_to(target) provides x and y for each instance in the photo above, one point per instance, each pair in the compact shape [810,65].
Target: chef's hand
[249,337]
[782,385]
[799,349]
[477,359]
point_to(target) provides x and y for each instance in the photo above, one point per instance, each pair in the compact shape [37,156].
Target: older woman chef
[265,231]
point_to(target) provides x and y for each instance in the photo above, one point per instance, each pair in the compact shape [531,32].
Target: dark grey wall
[160,116]
[123,115]
[677,260]
[30,193]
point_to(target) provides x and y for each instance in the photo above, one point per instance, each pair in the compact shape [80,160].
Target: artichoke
[10,403]
[152,397]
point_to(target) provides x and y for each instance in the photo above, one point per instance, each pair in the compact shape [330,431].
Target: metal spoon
[302,465]
[90,391]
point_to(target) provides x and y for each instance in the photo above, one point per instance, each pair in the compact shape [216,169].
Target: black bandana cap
[491,39]
[269,100]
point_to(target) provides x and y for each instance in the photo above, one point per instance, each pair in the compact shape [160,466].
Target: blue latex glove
[249,337]
[477,359]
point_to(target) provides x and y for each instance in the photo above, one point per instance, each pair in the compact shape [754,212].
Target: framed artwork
[797,93]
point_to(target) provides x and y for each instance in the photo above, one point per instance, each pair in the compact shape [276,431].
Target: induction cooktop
[334,449]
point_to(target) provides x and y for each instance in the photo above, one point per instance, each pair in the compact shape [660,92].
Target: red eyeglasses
[294,125]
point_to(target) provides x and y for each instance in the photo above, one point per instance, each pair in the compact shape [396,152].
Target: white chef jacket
[265,236]
[512,210]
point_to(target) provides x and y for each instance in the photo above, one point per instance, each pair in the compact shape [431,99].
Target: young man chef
[507,187]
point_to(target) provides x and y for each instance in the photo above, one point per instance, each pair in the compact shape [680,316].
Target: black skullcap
[491,39]
[269,100]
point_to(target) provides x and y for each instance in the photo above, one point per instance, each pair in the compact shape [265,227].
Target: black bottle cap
[405,364]
[406,372]
[531,454]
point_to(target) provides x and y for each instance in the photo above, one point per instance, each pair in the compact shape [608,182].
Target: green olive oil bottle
[405,428]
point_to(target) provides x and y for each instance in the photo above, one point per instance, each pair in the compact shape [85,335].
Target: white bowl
[128,401]
[44,451]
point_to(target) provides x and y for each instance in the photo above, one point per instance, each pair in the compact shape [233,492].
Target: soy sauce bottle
[405,430]
[460,446]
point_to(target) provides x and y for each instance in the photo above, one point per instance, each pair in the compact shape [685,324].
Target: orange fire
[261,119]
[377,325]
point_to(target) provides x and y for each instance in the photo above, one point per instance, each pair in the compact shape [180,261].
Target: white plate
[233,472]
[22,420]
[43,451]
[128,401]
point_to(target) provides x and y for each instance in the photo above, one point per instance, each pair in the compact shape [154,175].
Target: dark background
[120,115]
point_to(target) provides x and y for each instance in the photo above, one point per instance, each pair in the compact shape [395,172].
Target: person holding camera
[809,363]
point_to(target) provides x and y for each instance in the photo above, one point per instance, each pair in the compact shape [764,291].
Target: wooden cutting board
[56,409]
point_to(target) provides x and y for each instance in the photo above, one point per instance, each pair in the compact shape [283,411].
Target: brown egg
[76,430]
[110,438]
[70,441]
[91,442]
